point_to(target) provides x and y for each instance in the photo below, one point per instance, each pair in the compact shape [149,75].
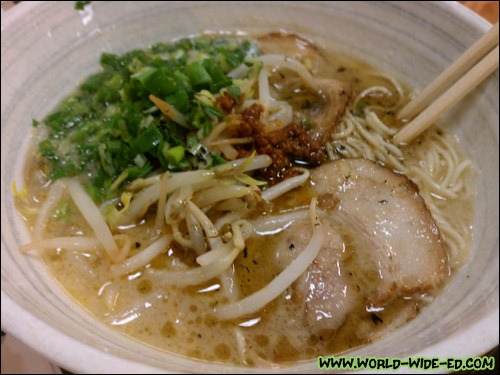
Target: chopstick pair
[474,74]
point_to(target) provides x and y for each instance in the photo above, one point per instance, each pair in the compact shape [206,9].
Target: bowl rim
[94,360]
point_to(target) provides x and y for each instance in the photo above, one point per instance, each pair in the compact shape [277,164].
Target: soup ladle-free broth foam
[160,299]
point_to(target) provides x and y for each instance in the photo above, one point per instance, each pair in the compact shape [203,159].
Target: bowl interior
[48,48]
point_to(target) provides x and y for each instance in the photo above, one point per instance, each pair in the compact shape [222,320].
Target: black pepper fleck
[376,319]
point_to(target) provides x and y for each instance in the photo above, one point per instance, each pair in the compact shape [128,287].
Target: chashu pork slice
[323,290]
[404,244]
[334,95]
[290,45]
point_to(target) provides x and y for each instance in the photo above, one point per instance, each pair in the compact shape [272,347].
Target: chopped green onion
[115,83]
[110,60]
[62,210]
[175,154]
[93,191]
[81,4]
[135,172]
[234,91]
[150,138]
[207,128]
[218,160]
[156,82]
[140,160]
[192,141]
[362,105]
[198,75]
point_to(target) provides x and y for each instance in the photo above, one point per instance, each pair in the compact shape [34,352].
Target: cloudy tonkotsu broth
[177,298]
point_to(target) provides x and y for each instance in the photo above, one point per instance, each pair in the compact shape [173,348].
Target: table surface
[486,9]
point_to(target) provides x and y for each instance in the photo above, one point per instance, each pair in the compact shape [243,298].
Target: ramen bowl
[48,48]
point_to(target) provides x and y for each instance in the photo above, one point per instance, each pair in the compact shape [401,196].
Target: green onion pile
[112,133]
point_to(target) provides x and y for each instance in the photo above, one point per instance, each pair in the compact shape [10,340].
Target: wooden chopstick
[456,92]
[487,42]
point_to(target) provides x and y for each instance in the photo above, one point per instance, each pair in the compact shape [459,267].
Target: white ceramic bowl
[47,48]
